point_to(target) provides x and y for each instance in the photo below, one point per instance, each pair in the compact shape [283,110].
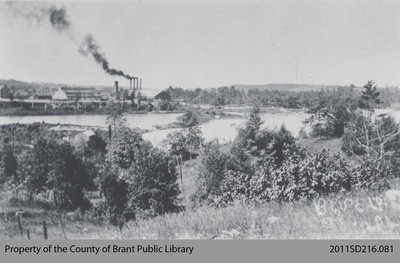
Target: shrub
[355,135]
[246,137]
[54,167]
[138,180]
[378,136]
[300,178]
[115,192]
[9,163]
[212,172]
[176,144]
[371,174]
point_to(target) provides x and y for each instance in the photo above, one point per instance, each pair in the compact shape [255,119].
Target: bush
[9,164]
[371,136]
[115,192]
[212,172]
[54,167]
[371,174]
[300,178]
[177,145]
[138,180]
[355,135]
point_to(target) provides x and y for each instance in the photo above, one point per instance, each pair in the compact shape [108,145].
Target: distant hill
[16,84]
[288,87]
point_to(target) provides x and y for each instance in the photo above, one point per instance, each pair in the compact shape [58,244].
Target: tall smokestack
[116,86]
[135,80]
[140,83]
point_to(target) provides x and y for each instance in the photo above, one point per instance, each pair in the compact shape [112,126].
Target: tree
[115,191]
[378,137]
[96,143]
[54,167]
[152,180]
[36,165]
[370,96]
[190,125]
[93,156]
[331,112]
[247,136]
[116,119]
[283,144]
[188,120]
[67,179]
[9,163]
[213,171]
[176,145]
[146,175]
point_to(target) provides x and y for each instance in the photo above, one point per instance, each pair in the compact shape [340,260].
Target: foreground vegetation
[301,219]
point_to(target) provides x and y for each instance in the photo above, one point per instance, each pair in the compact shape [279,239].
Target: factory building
[74,93]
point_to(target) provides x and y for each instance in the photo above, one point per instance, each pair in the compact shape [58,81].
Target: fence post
[20,225]
[62,228]
[44,230]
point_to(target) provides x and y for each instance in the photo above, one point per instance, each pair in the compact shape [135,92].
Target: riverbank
[51,112]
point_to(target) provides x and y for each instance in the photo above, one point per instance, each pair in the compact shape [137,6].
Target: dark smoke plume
[58,18]
[89,46]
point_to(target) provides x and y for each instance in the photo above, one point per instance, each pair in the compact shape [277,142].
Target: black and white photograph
[202,119]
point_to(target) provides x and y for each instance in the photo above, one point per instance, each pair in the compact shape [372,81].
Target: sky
[207,43]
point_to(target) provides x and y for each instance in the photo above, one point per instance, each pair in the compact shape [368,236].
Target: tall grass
[340,216]
[362,215]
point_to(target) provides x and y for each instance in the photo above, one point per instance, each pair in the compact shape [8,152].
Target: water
[395,113]
[225,130]
[146,121]
[222,130]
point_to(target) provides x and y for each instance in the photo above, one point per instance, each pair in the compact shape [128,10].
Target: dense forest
[282,98]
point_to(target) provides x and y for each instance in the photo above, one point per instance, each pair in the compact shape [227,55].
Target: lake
[143,121]
[225,130]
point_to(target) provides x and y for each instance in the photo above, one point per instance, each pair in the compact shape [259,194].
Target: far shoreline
[76,113]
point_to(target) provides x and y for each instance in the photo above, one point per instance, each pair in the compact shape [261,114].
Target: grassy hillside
[358,215]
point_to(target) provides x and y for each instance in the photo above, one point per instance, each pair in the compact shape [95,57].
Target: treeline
[280,98]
